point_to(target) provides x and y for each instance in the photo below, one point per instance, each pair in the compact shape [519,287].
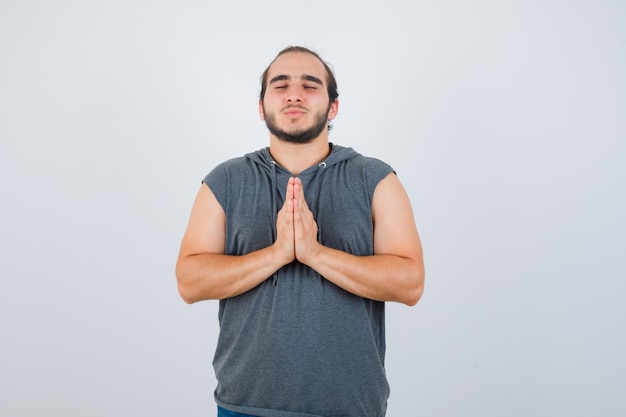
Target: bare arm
[204,272]
[396,270]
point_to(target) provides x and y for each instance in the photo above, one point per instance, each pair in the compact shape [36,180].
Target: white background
[506,122]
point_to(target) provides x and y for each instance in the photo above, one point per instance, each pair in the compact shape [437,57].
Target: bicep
[206,231]
[395,232]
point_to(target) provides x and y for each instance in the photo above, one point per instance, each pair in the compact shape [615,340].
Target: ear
[334,109]
[261,113]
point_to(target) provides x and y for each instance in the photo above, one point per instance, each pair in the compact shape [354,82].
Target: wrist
[281,254]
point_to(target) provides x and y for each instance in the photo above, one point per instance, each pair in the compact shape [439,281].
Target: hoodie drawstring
[274,190]
[321,169]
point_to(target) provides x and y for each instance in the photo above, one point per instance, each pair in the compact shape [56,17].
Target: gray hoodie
[297,345]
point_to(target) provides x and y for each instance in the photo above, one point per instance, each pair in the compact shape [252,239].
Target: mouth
[294,111]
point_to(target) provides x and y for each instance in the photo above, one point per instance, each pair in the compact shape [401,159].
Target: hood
[263,158]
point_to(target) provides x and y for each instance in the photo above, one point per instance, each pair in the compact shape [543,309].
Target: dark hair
[333,93]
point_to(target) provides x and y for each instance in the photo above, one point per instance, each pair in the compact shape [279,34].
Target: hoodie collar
[337,154]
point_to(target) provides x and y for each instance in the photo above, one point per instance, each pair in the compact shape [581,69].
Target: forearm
[212,276]
[377,277]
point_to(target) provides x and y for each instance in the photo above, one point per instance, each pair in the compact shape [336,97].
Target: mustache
[294,106]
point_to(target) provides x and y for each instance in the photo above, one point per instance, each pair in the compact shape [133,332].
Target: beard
[300,136]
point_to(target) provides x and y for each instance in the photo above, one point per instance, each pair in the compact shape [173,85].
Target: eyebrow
[306,77]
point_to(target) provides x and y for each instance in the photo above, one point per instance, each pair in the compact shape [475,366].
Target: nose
[294,95]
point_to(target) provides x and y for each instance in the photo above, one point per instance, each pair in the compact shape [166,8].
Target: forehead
[296,65]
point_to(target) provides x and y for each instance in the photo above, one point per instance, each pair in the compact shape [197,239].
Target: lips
[294,111]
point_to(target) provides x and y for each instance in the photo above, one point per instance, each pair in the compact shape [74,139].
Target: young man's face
[296,107]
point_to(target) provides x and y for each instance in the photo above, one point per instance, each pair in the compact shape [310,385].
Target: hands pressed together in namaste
[295,226]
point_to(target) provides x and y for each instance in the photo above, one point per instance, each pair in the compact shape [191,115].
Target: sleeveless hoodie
[297,345]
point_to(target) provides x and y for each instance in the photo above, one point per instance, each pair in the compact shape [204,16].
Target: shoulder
[368,161]
[357,160]
[223,176]
[230,169]
[372,169]
[230,164]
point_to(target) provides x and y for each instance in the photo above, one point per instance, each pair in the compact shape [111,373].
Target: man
[302,242]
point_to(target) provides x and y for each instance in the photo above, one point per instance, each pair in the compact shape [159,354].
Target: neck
[296,157]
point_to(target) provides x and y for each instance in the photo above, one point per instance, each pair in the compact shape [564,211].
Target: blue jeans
[226,413]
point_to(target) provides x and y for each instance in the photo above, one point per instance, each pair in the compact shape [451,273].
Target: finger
[299,193]
[298,188]
[288,196]
[302,215]
[284,219]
